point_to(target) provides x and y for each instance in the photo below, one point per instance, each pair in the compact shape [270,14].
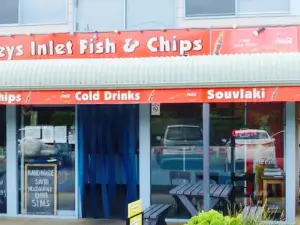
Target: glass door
[46,161]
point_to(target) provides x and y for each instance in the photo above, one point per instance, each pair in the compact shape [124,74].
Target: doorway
[108,159]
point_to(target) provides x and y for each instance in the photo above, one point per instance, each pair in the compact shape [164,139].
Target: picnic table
[186,192]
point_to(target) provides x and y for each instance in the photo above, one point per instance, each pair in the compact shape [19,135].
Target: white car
[183,135]
[181,144]
[253,145]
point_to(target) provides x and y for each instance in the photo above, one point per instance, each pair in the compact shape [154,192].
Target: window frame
[236,13]
[61,213]
[35,24]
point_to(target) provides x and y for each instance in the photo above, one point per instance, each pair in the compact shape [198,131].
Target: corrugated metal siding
[197,71]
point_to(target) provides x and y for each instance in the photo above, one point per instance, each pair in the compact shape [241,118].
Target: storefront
[80,132]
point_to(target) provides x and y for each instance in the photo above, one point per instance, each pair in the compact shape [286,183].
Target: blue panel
[92,140]
[100,120]
[102,129]
[132,185]
[121,121]
[110,117]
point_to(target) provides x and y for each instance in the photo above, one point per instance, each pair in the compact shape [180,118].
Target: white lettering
[92,47]
[51,48]
[83,46]
[210,94]
[41,182]
[40,203]
[41,195]
[198,45]
[185,46]
[121,96]
[219,95]
[150,44]
[237,94]
[88,96]
[107,95]
[40,189]
[9,52]
[37,173]
[284,41]
[161,44]
[191,94]
[85,97]
[10,98]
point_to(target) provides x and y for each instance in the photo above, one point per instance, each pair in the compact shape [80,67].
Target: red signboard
[106,45]
[151,43]
[239,41]
[222,95]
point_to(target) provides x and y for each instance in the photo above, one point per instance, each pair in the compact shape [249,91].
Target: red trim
[211,95]
[148,43]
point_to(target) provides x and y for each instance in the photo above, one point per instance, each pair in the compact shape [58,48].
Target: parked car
[181,148]
[183,135]
[252,145]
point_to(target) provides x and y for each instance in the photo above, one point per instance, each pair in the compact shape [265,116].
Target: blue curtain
[107,150]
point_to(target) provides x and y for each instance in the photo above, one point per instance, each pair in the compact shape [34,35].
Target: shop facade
[80,132]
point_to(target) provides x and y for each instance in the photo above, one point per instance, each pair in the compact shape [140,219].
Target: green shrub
[214,217]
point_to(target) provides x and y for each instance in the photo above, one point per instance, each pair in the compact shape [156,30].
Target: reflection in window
[47,137]
[253,138]
[184,133]
[246,152]
[176,155]
[2,160]
[9,11]
[33,12]
[251,135]
[213,8]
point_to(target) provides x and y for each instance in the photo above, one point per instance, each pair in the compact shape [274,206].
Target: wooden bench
[253,212]
[156,214]
[186,192]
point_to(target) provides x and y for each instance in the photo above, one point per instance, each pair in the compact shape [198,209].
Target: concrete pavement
[25,221]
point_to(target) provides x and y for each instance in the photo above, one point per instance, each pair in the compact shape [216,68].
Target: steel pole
[206,178]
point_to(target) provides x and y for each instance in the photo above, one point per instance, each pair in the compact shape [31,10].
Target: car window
[252,135]
[184,133]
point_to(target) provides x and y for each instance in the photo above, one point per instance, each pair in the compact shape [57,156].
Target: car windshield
[251,135]
[184,133]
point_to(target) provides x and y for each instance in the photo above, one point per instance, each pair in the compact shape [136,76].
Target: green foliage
[214,217]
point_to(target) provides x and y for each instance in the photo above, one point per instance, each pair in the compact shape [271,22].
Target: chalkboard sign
[41,189]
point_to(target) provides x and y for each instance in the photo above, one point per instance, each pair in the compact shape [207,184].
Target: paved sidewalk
[25,221]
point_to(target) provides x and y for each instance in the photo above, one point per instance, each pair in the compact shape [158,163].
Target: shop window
[46,146]
[250,154]
[225,8]
[2,160]
[176,131]
[33,12]
[246,151]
